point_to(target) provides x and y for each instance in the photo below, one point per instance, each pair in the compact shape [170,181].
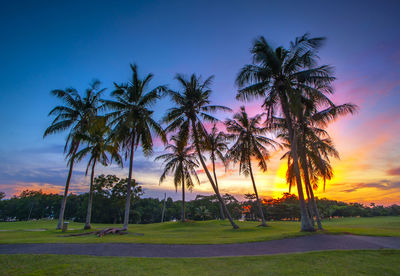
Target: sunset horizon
[366,71]
[206,137]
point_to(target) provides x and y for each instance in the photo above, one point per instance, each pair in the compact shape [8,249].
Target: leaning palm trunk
[317,216]
[305,219]
[196,142]
[128,192]
[260,211]
[64,200]
[312,203]
[90,203]
[307,185]
[221,210]
[309,203]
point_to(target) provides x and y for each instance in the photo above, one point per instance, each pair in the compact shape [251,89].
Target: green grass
[207,232]
[375,226]
[357,262]
[199,232]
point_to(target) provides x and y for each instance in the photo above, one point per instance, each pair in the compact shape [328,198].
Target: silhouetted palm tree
[74,114]
[98,144]
[315,147]
[249,143]
[192,107]
[182,163]
[215,142]
[133,121]
[281,76]
[309,173]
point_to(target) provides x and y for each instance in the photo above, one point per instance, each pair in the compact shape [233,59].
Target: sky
[49,45]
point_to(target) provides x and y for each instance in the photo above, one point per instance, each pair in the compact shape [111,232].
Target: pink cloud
[393,171]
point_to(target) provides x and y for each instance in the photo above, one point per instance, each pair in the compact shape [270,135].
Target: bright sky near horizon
[48,44]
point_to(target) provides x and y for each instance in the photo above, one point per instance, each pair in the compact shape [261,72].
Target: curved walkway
[290,245]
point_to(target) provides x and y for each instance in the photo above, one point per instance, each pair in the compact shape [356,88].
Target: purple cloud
[393,171]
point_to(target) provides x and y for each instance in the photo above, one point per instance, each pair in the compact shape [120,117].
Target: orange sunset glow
[366,68]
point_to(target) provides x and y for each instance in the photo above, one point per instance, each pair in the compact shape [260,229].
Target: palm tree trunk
[64,200]
[163,209]
[307,185]
[90,203]
[309,203]
[305,219]
[317,216]
[312,198]
[260,211]
[221,211]
[312,206]
[197,145]
[129,186]
[183,197]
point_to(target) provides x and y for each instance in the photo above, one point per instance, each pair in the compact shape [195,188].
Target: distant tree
[251,207]
[182,163]
[211,203]
[2,195]
[202,212]
[114,190]
[29,205]
[74,114]
[283,208]
[109,199]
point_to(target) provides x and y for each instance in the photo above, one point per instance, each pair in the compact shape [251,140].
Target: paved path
[290,245]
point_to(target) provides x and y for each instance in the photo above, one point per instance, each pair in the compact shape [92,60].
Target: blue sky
[49,44]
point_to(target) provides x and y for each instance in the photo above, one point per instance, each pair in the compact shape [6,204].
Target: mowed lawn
[357,262]
[199,232]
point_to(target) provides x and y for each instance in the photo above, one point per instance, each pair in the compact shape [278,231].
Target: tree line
[108,203]
[296,110]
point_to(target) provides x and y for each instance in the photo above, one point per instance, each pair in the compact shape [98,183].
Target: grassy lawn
[207,232]
[375,226]
[357,262]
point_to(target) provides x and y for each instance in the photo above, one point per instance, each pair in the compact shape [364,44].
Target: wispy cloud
[381,185]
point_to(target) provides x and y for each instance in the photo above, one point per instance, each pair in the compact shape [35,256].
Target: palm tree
[280,76]
[74,114]
[215,143]
[182,163]
[249,143]
[309,172]
[98,144]
[192,107]
[133,122]
[315,147]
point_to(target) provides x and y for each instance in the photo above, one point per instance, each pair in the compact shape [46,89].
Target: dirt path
[290,245]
